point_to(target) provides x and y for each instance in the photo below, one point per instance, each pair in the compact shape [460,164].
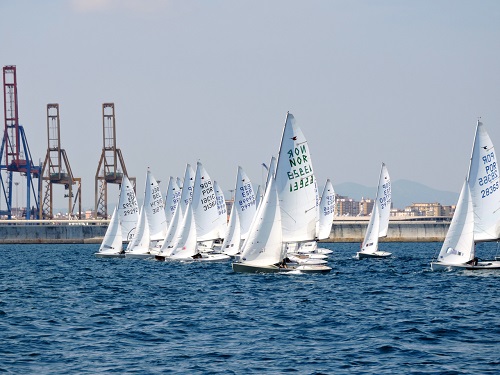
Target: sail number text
[300,168]
[386,199]
[491,175]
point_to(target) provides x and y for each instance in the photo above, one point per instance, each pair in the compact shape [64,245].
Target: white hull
[376,254]
[310,268]
[322,250]
[484,265]
[246,268]
[306,260]
[109,255]
[204,258]
[138,256]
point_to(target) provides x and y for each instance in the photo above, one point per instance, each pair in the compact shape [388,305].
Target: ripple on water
[64,311]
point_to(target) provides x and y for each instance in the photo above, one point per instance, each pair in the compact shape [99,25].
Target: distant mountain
[404,193]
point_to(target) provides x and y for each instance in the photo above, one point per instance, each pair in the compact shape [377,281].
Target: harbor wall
[58,233]
[399,231]
[93,232]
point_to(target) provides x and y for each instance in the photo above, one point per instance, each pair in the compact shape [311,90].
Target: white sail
[221,209]
[154,208]
[206,215]
[128,209]
[384,200]
[484,187]
[271,172]
[263,246]
[379,220]
[295,185]
[187,189]
[458,246]
[167,246]
[244,201]
[258,197]
[326,211]
[112,241]
[370,242]
[232,237]
[185,245]
[141,241]
[172,198]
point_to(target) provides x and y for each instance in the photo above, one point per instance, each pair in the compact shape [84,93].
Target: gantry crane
[56,170]
[111,166]
[15,152]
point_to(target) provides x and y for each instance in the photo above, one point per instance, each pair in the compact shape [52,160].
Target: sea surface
[64,311]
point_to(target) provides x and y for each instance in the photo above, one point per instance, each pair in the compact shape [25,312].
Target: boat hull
[376,254]
[138,256]
[104,255]
[204,258]
[484,265]
[310,268]
[247,268]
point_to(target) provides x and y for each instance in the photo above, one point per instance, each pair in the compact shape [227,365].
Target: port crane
[16,154]
[111,167]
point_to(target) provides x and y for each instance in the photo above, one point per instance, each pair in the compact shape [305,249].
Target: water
[62,310]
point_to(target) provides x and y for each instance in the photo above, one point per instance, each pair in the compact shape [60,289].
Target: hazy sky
[368,81]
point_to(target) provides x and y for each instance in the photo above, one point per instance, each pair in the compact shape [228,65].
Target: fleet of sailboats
[276,228]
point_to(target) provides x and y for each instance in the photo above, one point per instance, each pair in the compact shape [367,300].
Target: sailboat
[139,247]
[287,212]
[325,221]
[232,237]
[242,214]
[111,246]
[185,246]
[262,251]
[379,220]
[128,209]
[154,208]
[172,198]
[177,219]
[221,209]
[477,215]
[200,224]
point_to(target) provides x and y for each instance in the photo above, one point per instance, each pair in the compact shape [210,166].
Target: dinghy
[242,214]
[287,212]
[200,224]
[232,237]
[172,198]
[324,225]
[154,208]
[177,219]
[128,209]
[477,214]
[379,220]
[139,246]
[111,246]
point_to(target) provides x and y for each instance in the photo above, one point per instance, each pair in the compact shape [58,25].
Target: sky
[368,81]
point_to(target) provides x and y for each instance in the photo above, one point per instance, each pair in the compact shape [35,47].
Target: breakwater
[45,231]
[399,231]
[92,231]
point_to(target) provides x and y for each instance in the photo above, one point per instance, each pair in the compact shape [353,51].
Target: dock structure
[56,170]
[111,166]
[15,153]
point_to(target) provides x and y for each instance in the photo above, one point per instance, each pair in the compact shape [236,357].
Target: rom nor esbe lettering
[300,168]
